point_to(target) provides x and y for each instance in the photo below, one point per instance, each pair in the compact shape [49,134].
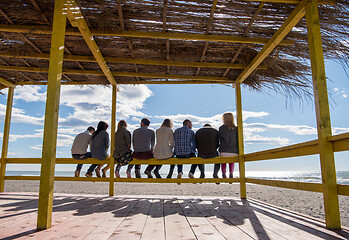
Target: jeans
[201,168]
[180,167]
[81,157]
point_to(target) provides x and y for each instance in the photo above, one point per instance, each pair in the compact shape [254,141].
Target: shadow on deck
[156,217]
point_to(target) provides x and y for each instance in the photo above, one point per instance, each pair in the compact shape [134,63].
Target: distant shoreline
[309,203]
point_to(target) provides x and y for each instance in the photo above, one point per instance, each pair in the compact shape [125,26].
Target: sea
[296,176]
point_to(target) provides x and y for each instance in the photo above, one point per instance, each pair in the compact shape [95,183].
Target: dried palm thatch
[286,70]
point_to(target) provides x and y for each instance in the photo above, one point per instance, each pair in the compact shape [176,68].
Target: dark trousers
[151,167]
[216,168]
[81,157]
[137,167]
[201,168]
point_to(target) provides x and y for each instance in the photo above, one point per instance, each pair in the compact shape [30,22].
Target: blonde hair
[167,123]
[228,119]
[122,123]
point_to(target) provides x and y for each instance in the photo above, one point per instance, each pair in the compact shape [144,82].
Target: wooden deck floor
[156,217]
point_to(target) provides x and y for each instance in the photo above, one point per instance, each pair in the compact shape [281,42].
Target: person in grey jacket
[122,144]
[99,148]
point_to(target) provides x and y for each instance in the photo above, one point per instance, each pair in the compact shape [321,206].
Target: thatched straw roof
[285,70]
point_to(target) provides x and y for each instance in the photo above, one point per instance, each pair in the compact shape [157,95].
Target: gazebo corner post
[328,170]
[48,160]
[240,141]
[5,138]
[112,144]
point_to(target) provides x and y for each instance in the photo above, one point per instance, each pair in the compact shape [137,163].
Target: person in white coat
[163,148]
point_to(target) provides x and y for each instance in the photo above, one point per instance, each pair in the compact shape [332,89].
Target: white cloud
[20,116]
[296,129]
[30,93]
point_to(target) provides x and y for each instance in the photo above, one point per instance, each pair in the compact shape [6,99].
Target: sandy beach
[308,203]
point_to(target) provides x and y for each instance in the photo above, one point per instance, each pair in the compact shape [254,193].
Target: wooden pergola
[83,69]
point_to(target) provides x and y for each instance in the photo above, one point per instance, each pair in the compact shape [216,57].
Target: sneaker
[77,173]
[98,173]
[138,173]
[216,176]
[179,176]
[88,174]
[146,172]
[104,172]
[128,174]
[190,175]
[223,175]
[117,174]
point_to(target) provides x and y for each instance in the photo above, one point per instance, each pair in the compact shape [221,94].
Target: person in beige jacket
[163,148]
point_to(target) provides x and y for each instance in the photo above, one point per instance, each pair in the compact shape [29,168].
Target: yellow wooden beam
[5,137]
[313,187]
[296,15]
[240,141]
[296,150]
[51,117]
[139,34]
[112,143]
[328,169]
[340,142]
[77,20]
[119,74]
[6,83]
[343,189]
[324,2]
[141,61]
[133,82]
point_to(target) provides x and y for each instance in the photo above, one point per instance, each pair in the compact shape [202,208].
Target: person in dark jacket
[207,142]
[228,137]
[99,148]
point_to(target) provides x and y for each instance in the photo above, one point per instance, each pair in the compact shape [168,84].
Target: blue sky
[269,120]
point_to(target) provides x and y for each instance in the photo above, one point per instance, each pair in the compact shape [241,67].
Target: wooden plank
[155,225]
[111,223]
[51,117]
[307,227]
[176,225]
[231,209]
[132,225]
[112,143]
[141,34]
[86,220]
[323,120]
[225,227]
[141,61]
[343,189]
[305,186]
[6,83]
[201,227]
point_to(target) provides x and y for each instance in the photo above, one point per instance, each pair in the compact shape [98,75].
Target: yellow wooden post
[241,140]
[328,169]
[112,144]
[5,137]
[51,117]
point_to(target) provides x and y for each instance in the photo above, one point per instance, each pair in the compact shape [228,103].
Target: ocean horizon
[296,176]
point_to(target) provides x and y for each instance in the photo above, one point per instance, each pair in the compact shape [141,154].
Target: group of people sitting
[181,143]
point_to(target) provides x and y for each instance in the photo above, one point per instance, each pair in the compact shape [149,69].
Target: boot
[77,173]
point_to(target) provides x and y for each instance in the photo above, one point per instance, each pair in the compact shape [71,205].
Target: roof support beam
[133,61]
[297,14]
[323,2]
[119,74]
[77,20]
[134,82]
[140,34]
[6,83]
